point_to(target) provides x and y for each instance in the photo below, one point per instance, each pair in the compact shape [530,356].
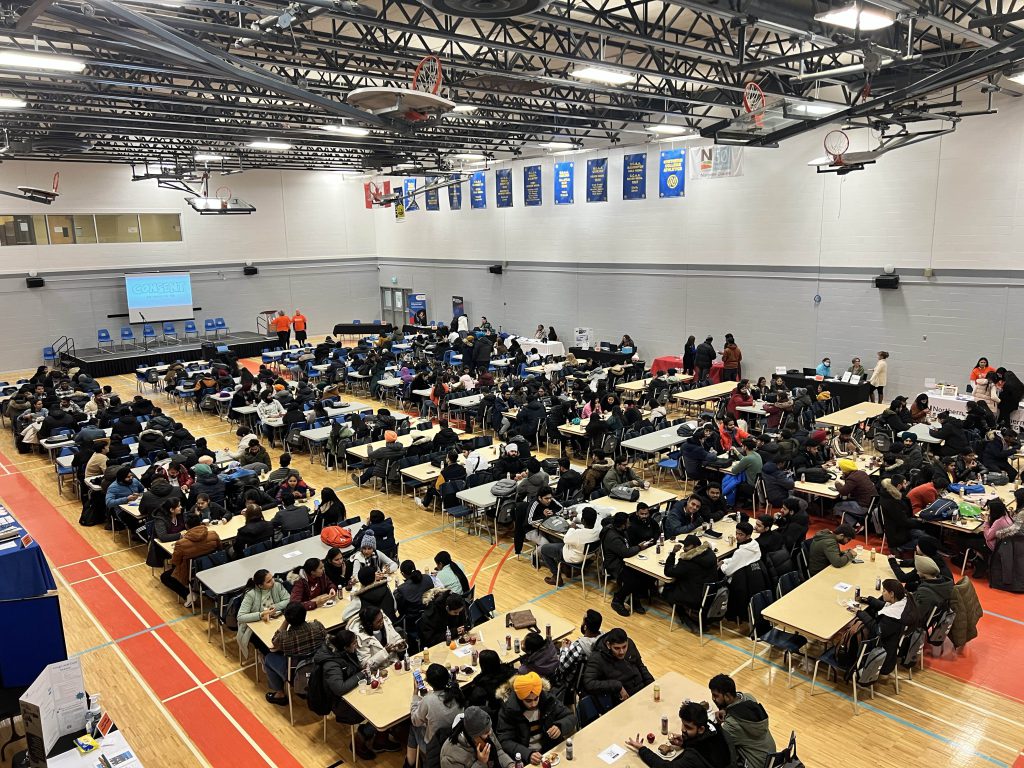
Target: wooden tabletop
[712,392]
[816,609]
[389,704]
[652,564]
[427,471]
[362,451]
[650,496]
[855,414]
[641,714]
[639,385]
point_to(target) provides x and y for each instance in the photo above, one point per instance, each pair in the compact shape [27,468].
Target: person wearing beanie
[206,482]
[532,720]
[825,550]
[368,554]
[382,462]
[934,591]
[858,490]
[472,743]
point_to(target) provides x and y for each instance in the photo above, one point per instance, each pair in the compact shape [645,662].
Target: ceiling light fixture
[202,157]
[346,130]
[813,108]
[12,102]
[856,16]
[278,146]
[556,145]
[33,60]
[164,3]
[469,156]
[603,75]
[684,137]
[465,108]
[668,129]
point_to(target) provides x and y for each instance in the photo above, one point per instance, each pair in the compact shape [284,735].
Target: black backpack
[318,696]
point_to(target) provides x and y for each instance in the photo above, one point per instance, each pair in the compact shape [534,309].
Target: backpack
[684,430]
[814,475]
[555,524]
[336,536]
[503,489]
[996,478]
[625,493]
[318,695]
[940,509]
[550,466]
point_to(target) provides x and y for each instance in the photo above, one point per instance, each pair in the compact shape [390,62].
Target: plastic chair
[65,473]
[148,332]
[190,329]
[127,334]
[49,356]
[763,632]
[220,325]
[170,332]
[864,672]
[103,337]
[209,326]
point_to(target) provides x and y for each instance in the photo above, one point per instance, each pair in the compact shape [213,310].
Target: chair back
[219,323]
[789,581]
[169,329]
[103,335]
[209,325]
[190,326]
[784,758]
[587,711]
[758,602]
[481,609]
[148,331]
[939,630]
[126,333]
[716,600]
[230,616]
[869,663]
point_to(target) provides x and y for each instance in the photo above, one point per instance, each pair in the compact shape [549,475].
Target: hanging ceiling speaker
[486,9]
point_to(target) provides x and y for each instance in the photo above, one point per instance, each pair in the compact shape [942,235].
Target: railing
[263,321]
[63,345]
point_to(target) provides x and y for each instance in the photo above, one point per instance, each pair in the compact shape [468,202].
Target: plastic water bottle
[568,749]
[448,635]
[92,716]
[519,760]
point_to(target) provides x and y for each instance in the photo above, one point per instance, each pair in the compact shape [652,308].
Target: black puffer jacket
[691,571]
[606,674]
[616,549]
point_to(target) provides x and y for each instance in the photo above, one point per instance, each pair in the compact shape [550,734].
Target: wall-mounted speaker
[250,271]
[890,282]
[35,282]
[495,270]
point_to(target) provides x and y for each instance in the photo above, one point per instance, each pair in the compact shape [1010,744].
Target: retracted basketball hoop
[428,76]
[376,193]
[224,195]
[419,102]
[754,102]
[836,144]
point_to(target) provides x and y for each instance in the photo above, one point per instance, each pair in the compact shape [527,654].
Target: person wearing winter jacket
[699,450]
[530,735]
[379,641]
[740,397]
[124,490]
[615,669]
[684,516]
[196,541]
[1011,392]
[616,548]
[951,432]
[264,599]
[690,569]
[703,745]
[703,357]
[998,449]
[792,522]
[888,617]
[731,359]
[896,417]
[934,590]
[310,586]
[473,744]
[539,655]
[442,612]
[159,491]
[901,528]
[743,721]
[206,482]
[778,483]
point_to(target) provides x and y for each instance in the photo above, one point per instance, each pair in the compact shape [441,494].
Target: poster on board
[418,309]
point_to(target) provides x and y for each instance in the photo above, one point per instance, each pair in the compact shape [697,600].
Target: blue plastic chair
[148,332]
[376,322]
[49,356]
[190,329]
[103,337]
[357,322]
[127,334]
[170,332]
[65,473]
[220,325]
[208,327]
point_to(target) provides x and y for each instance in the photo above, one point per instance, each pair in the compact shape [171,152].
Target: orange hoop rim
[56,181]
[753,98]
[836,143]
[423,79]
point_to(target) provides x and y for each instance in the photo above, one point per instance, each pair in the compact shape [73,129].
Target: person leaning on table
[825,550]
[702,744]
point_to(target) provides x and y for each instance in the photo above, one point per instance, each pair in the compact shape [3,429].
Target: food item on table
[650,738]
[666,749]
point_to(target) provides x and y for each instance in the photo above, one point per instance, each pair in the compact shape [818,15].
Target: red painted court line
[509,551]
[208,727]
[472,579]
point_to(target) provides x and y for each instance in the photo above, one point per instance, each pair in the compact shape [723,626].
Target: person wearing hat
[703,357]
[912,455]
[858,489]
[508,464]
[206,482]
[383,461]
[927,546]
[933,590]
[368,554]
[532,720]
[472,743]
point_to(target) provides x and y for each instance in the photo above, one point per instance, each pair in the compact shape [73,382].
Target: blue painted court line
[847,697]
[141,632]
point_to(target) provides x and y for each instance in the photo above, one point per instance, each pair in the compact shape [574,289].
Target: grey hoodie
[746,726]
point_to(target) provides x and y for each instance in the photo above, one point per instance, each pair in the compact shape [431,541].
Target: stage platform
[102,362]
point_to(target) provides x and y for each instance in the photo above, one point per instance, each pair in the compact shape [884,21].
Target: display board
[156,297]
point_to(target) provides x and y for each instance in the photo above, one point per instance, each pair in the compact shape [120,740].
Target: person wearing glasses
[856,368]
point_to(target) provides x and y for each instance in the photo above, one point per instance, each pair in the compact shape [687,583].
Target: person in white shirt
[244,435]
[476,460]
[747,550]
[573,548]
[467,382]
[453,337]
[271,414]
[462,324]
[534,357]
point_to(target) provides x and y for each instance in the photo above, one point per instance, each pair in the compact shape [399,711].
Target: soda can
[476,657]
[517,646]
[508,642]
[664,725]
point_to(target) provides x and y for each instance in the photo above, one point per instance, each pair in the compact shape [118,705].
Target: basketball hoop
[428,76]
[224,194]
[753,102]
[56,182]
[836,144]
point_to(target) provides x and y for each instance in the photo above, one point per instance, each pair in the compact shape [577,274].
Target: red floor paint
[206,725]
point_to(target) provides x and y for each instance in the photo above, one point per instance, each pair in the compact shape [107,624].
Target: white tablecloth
[544,348]
[958,405]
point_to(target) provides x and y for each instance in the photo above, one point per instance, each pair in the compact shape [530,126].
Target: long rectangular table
[855,414]
[652,564]
[703,394]
[361,452]
[848,394]
[605,357]
[389,704]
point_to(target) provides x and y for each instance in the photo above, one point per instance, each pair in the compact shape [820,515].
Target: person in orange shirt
[282,324]
[299,324]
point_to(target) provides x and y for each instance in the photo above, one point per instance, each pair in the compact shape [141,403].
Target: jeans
[631,584]
[276,666]
[167,577]
[552,554]
[852,509]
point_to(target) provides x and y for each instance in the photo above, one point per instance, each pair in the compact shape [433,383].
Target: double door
[394,306]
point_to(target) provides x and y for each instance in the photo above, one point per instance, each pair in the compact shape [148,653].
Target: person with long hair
[887,618]
[336,567]
[433,710]
[256,529]
[920,410]
[981,369]
[331,510]
[379,641]
[409,594]
[998,518]
[689,350]
[450,574]
[264,599]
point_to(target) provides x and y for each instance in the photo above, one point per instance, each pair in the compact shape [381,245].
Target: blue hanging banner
[455,195]
[503,187]
[564,183]
[478,190]
[672,173]
[432,199]
[597,180]
[533,193]
[634,176]
[409,193]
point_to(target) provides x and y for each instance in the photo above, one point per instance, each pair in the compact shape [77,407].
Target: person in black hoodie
[1011,392]
[792,522]
[703,745]
[615,670]
[616,549]
[528,419]
[713,504]
[482,691]
[383,530]
[445,436]
[442,610]
[642,525]
[256,529]
[769,538]
[896,417]
[690,569]
[951,432]
[902,529]
[778,483]
[159,491]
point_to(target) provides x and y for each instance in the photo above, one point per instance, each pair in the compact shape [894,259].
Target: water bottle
[568,749]
[92,716]
[519,760]
[405,662]
[448,635]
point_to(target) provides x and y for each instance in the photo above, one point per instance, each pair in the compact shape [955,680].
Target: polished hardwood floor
[181,701]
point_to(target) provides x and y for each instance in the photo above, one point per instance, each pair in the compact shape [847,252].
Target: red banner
[368,196]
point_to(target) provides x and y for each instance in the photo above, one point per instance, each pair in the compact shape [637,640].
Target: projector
[214,206]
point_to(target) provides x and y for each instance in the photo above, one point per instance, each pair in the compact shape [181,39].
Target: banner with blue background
[503,187]
[564,183]
[532,185]
[455,195]
[409,189]
[672,173]
[597,180]
[478,190]
[634,176]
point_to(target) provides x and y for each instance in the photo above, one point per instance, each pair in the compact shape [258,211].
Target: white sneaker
[190,600]
[418,500]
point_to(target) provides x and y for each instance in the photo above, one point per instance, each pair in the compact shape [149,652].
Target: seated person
[368,554]
[291,517]
[297,487]
[310,586]
[382,461]
[615,670]
[574,545]
[296,639]
[449,574]
[621,474]
[684,516]
[284,470]
[843,444]
[702,746]
[196,541]
[452,470]
[825,550]
[690,565]
[532,720]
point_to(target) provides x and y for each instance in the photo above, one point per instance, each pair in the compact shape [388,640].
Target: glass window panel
[160,227]
[85,228]
[118,228]
[61,229]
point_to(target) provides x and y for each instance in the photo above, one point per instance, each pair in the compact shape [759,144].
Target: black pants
[282,338]
[702,373]
[300,336]
[632,583]
[167,577]
[522,526]
[871,393]
[730,374]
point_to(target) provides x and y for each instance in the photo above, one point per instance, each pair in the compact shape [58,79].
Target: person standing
[689,350]
[703,357]
[282,325]
[1011,392]
[731,358]
[299,324]
[878,378]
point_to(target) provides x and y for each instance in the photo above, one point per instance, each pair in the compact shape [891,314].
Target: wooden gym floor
[181,701]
